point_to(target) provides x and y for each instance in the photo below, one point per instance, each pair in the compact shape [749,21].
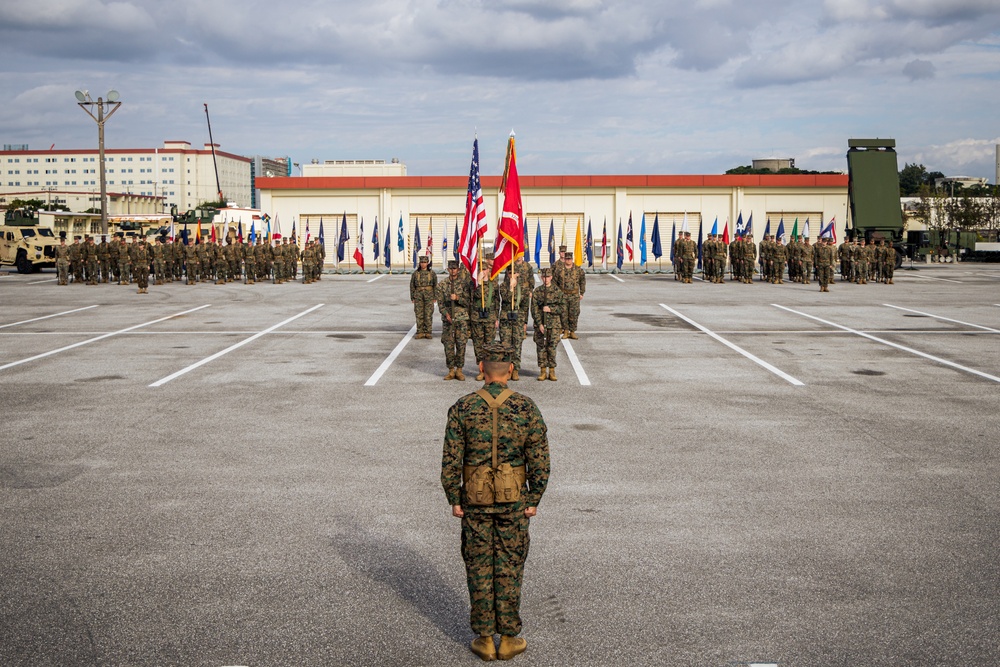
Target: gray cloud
[919,69]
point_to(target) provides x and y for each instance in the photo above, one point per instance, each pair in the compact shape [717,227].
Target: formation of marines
[500,308]
[124,261]
[799,259]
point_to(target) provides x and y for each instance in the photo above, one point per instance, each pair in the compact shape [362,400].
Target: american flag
[628,238]
[474,226]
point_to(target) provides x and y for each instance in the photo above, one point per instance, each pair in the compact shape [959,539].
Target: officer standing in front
[494,470]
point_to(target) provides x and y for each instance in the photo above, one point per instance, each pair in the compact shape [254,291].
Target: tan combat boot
[552,374]
[459,375]
[515,375]
[485,648]
[479,378]
[543,374]
[572,334]
[511,646]
[450,375]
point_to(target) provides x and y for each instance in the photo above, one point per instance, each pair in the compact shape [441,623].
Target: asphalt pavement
[249,475]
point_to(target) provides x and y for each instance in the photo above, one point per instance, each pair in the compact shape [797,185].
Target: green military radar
[873,190]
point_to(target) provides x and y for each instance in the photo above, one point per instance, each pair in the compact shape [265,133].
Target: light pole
[110,106]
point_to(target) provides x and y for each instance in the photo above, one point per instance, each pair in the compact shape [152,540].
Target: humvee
[24,244]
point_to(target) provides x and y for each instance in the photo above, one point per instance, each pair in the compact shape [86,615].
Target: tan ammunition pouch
[488,485]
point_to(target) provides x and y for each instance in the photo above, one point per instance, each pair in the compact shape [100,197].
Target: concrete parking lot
[249,475]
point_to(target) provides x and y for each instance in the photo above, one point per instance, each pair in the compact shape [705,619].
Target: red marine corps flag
[510,229]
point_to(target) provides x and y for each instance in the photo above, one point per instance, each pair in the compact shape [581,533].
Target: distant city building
[964,181]
[775,164]
[139,180]
[266,167]
[354,168]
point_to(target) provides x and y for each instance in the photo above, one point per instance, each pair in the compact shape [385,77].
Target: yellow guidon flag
[578,246]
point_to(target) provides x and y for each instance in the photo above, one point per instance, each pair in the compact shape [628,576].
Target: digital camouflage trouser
[512,335]
[546,344]
[494,548]
[481,332]
[423,309]
[455,336]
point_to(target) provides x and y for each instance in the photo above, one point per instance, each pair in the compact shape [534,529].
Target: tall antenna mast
[215,164]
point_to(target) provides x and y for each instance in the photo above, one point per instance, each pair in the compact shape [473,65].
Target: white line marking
[933,278]
[577,366]
[381,275]
[39,282]
[94,340]
[940,317]
[891,344]
[785,376]
[197,364]
[988,275]
[616,277]
[392,357]
[65,312]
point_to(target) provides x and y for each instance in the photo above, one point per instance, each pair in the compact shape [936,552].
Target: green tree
[911,177]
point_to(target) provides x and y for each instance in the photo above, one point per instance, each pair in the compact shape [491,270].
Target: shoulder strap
[495,404]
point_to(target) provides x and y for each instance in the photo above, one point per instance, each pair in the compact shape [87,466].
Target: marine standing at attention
[453,298]
[548,303]
[494,470]
[423,282]
[573,283]
[484,310]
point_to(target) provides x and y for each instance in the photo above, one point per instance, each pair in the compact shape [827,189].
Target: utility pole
[110,106]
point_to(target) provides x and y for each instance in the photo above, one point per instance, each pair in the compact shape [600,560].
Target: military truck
[24,244]
[873,192]
[187,224]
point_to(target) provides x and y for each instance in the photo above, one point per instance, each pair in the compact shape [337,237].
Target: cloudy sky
[589,86]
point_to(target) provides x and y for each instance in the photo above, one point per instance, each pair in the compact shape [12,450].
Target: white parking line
[197,364]
[94,340]
[784,376]
[39,282]
[392,357]
[65,312]
[934,278]
[891,344]
[616,277]
[581,374]
[941,317]
[381,275]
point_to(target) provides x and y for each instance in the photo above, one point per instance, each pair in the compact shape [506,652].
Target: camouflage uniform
[495,537]
[573,283]
[193,264]
[454,318]
[806,254]
[826,255]
[483,313]
[547,341]
[423,282]
[104,259]
[514,307]
[62,262]
[124,263]
[140,262]
[159,261]
[890,264]
[75,265]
